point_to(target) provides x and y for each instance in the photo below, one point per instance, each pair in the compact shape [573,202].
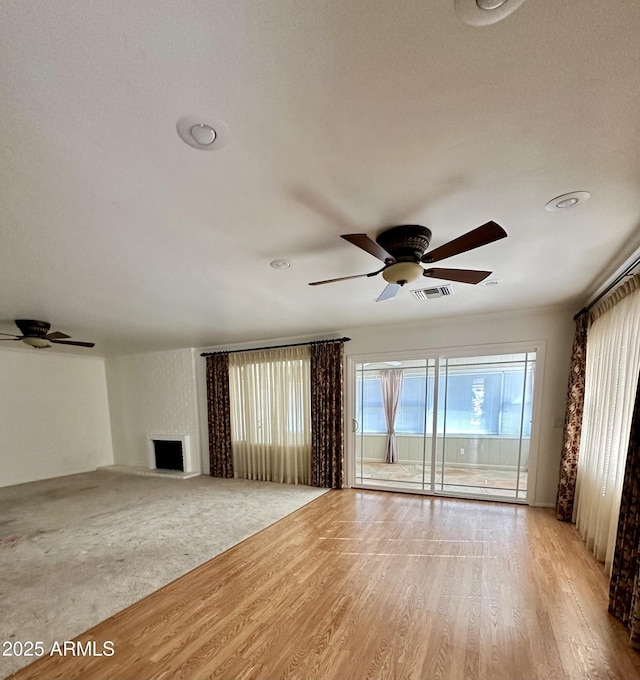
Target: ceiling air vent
[430,293]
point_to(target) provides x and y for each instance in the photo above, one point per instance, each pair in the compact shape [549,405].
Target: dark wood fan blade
[9,339]
[389,292]
[13,336]
[73,342]
[365,243]
[482,236]
[346,278]
[462,275]
[56,335]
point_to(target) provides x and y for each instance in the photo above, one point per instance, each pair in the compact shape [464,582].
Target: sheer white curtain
[612,365]
[270,394]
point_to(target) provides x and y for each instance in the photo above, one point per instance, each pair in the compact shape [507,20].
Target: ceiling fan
[36,334]
[403,249]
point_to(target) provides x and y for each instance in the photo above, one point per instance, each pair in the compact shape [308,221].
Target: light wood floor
[366,584]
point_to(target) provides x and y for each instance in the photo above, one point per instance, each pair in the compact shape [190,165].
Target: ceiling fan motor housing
[33,329]
[407,243]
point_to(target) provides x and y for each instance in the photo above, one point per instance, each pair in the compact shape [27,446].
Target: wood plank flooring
[366,584]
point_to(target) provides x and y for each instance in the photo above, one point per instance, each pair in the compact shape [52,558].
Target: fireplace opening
[168,454]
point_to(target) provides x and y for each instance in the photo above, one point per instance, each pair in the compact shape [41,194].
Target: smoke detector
[202,134]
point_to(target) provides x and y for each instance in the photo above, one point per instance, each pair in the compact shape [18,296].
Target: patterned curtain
[327,411]
[624,592]
[573,422]
[219,416]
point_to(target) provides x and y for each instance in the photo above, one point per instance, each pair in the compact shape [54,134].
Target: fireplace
[168,454]
[171,454]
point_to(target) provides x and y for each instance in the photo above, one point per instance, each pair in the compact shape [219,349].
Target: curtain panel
[270,394]
[391,383]
[572,422]
[624,591]
[327,415]
[619,294]
[612,367]
[219,416]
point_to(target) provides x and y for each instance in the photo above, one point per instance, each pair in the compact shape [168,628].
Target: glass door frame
[537,346]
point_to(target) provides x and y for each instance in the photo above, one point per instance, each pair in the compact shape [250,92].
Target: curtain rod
[257,349]
[626,272]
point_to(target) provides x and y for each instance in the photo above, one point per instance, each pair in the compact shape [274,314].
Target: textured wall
[151,393]
[54,415]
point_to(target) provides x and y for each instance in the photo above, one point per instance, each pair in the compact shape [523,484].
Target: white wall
[54,415]
[552,326]
[152,393]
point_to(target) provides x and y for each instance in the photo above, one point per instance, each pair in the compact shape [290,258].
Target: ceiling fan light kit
[403,249]
[38,343]
[402,272]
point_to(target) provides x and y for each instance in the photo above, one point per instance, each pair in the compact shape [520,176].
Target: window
[270,395]
[483,398]
[270,392]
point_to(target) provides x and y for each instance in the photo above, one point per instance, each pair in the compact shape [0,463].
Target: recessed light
[485,12]
[280,264]
[489,5]
[202,134]
[565,201]
[490,283]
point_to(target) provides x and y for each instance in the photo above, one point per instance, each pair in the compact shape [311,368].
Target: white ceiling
[343,117]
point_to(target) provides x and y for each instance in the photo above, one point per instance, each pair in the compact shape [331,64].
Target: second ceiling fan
[403,249]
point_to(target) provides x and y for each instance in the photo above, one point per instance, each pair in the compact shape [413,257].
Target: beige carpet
[76,550]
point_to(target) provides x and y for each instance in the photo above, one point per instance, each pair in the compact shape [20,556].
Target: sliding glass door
[408,437]
[480,408]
